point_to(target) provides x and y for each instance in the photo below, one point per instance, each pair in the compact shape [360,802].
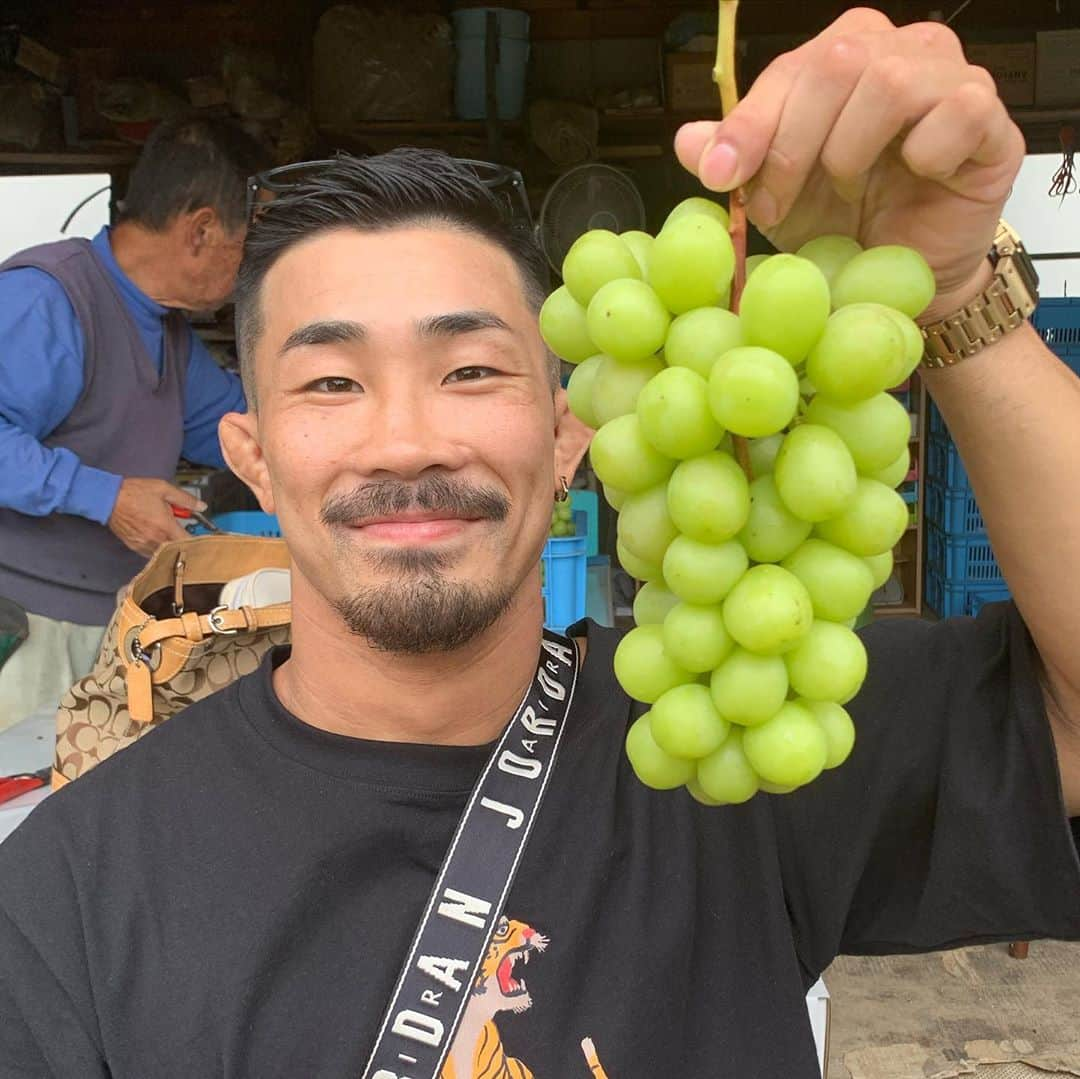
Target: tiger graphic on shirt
[478,1052]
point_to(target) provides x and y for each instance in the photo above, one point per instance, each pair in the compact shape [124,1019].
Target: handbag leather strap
[470,891]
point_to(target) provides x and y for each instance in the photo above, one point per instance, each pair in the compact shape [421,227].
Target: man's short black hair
[402,187]
[191,163]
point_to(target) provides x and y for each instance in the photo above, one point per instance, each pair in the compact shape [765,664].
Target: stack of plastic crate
[1058,322]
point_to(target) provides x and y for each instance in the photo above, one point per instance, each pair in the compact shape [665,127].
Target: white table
[26,747]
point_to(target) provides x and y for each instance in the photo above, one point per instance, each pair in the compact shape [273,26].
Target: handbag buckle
[217,623]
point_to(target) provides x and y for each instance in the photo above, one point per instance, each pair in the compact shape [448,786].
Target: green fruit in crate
[839,730]
[579,390]
[640,244]
[749,689]
[876,431]
[698,338]
[771,531]
[790,749]
[644,670]
[872,523]
[708,497]
[696,204]
[564,327]
[652,604]
[645,526]
[617,386]
[857,356]
[627,320]
[695,637]
[686,724]
[703,573]
[674,412]
[725,775]
[622,457]
[753,392]
[784,306]
[896,276]
[829,664]
[768,611]
[830,254]
[651,764]
[595,259]
[839,582]
[692,262]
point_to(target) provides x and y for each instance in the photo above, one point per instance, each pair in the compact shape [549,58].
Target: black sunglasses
[505,183]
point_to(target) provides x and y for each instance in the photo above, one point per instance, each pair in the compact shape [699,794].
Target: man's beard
[419,609]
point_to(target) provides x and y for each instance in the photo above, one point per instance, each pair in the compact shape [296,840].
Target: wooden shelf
[894,609]
[88,158]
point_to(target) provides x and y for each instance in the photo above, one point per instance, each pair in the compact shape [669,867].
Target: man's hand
[874,131]
[142,517]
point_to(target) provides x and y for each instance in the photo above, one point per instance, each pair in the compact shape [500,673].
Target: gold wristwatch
[1006,303]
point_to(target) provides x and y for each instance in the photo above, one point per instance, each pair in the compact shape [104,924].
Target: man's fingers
[177,496]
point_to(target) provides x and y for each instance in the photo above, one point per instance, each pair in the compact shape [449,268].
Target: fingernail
[763,210]
[202,507]
[718,165]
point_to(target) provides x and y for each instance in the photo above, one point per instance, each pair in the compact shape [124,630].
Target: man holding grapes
[236,893]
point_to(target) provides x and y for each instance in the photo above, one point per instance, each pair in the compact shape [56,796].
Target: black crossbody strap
[463,910]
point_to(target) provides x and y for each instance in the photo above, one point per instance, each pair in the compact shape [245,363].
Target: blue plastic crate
[564,568]
[246,522]
[936,422]
[961,559]
[943,463]
[949,599]
[953,509]
[1058,322]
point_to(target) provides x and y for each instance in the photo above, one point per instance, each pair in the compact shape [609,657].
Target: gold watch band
[1006,303]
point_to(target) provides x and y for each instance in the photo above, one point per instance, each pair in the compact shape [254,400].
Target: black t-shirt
[234,895]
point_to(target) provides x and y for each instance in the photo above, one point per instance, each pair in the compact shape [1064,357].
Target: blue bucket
[470,29]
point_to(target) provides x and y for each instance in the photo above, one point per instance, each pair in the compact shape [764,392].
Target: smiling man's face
[406,435]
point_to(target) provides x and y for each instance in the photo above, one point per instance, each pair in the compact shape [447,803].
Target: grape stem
[725,79]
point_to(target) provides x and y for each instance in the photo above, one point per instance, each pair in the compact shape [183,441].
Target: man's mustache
[433,494]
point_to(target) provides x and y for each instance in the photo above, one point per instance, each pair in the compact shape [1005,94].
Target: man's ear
[239,434]
[572,439]
[202,229]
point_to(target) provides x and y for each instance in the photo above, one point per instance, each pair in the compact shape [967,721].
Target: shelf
[99,158]
[894,609]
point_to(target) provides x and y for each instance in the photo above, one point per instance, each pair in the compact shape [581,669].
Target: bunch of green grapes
[562,520]
[744,646]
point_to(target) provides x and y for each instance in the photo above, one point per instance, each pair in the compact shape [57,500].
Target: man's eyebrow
[459,322]
[327,332]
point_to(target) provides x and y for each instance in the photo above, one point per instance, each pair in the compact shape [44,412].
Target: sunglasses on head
[505,183]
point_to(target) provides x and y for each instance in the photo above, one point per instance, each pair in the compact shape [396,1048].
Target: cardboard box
[1013,66]
[1057,67]
[688,83]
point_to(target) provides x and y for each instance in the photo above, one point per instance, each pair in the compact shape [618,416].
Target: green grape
[614,497]
[698,338]
[579,390]
[616,386]
[691,262]
[753,262]
[674,412]
[839,731]
[696,204]
[686,724]
[594,259]
[806,387]
[875,431]
[768,611]
[627,320]
[703,573]
[697,792]
[829,664]
[763,453]
[643,669]
[638,568]
[771,531]
[839,582]
[640,244]
[695,637]
[753,392]
[564,327]
[622,457]
[830,254]
[725,776]
[652,603]
[857,356]
[776,788]
[645,526]
[814,473]
[896,473]
[790,749]
[708,497]
[913,340]
[651,764]
[749,689]
[893,275]
[872,523]
[881,566]
[785,305]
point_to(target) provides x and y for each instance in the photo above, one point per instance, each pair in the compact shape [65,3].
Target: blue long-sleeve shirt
[41,379]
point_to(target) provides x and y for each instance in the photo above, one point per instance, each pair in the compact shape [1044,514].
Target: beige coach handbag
[169,644]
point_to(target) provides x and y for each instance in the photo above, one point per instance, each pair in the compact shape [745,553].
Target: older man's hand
[875,131]
[142,517]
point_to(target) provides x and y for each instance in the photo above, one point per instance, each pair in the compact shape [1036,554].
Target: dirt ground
[964,1012]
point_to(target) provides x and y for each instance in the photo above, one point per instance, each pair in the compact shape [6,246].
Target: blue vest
[127,421]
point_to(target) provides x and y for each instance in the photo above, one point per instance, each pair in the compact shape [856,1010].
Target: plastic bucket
[470,30]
